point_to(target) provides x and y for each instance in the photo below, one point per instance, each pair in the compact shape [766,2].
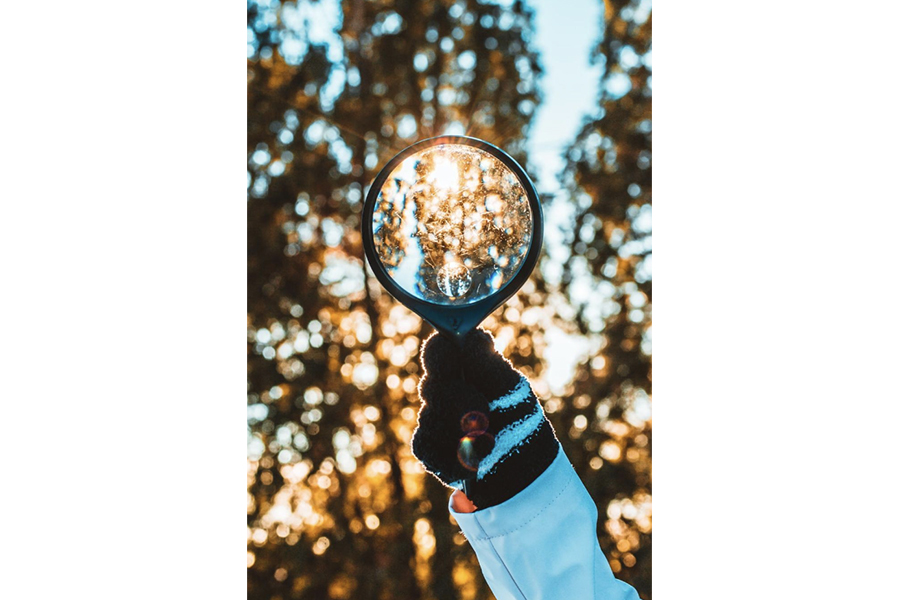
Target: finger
[461,503]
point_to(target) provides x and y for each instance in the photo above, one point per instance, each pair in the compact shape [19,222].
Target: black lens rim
[454,321]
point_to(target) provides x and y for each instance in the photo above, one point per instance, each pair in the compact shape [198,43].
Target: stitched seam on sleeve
[536,515]
[497,557]
[508,572]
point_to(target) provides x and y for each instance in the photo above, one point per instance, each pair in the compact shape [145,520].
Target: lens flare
[473,421]
[473,448]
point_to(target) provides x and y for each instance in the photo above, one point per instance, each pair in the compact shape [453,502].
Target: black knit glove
[481,428]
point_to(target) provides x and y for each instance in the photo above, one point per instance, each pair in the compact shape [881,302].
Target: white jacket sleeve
[542,543]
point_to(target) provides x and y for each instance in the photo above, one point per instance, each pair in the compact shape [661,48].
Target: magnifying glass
[452,228]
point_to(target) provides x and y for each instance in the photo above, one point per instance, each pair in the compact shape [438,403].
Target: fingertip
[460,503]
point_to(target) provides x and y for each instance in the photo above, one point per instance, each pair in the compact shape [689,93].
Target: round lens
[452,224]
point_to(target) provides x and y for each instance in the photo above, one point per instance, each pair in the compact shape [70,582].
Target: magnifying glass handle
[455,326]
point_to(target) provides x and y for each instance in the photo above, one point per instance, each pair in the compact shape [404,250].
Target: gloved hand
[476,394]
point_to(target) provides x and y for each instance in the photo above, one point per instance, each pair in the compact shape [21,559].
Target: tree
[337,506]
[607,179]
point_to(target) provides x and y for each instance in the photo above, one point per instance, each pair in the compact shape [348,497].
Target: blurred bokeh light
[337,506]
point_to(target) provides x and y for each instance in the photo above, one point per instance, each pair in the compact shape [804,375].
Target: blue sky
[566,33]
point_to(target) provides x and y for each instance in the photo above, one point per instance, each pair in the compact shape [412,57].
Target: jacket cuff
[540,494]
